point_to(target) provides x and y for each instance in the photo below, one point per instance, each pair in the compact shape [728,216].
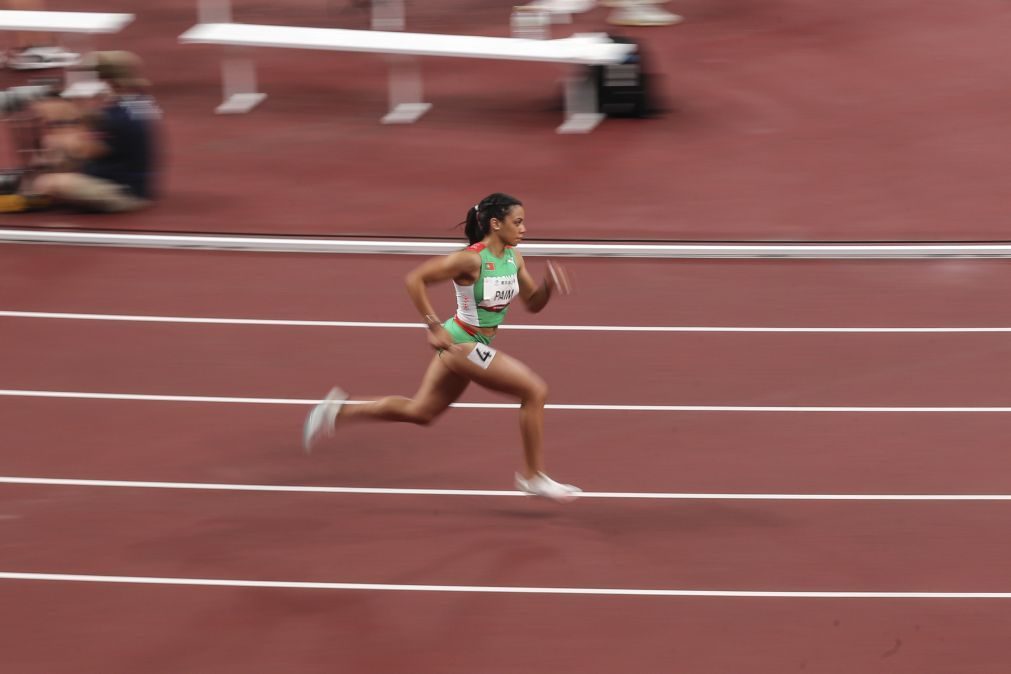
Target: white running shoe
[322,417]
[40,58]
[542,485]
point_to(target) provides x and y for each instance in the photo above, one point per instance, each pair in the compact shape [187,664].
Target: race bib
[482,355]
[499,290]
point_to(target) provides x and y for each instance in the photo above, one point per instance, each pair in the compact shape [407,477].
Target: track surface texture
[151,471]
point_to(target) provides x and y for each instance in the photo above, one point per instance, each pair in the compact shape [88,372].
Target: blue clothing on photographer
[126,127]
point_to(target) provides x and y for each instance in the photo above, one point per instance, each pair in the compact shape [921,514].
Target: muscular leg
[439,388]
[508,375]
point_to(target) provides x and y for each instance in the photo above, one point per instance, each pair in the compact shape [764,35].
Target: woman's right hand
[557,279]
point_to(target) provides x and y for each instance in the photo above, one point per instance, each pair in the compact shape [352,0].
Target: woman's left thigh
[488,367]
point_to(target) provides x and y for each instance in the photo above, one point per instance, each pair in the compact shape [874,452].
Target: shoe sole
[568,498]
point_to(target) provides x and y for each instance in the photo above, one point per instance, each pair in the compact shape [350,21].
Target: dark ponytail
[479,217]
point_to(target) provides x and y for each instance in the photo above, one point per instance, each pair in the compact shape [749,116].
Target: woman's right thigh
[440,387]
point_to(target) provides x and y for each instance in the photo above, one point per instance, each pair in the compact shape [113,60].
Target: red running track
[504,541]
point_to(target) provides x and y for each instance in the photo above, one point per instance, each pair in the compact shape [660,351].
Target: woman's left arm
[536,297]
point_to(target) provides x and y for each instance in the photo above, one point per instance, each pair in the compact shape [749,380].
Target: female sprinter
[487,275]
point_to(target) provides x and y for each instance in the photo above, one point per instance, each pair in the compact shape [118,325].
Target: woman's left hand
[557,280]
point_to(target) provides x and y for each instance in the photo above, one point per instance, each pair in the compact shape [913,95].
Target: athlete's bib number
[481,355]
[499,290]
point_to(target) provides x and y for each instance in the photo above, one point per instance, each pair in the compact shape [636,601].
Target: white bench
[79,23]
[63,22]
[406,105]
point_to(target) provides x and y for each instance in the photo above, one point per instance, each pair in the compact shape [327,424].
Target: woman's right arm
[460,266]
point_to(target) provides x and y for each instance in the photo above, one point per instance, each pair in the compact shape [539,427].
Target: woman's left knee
[537,392]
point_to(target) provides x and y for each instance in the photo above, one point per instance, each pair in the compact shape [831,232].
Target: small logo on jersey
[490,266]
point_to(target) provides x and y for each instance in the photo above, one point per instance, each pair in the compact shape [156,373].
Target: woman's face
[512,229]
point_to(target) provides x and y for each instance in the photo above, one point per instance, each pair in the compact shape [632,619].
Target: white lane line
[656,496]
[19,393]
[85,395]
[133,318]
[210,486]
[307,244]
[492,589]
[139,318]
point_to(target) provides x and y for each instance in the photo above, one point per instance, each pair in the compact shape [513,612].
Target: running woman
[487,275]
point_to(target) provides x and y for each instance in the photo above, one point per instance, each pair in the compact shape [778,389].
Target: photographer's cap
[119,68]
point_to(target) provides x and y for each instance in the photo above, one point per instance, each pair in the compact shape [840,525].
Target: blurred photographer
[104,159]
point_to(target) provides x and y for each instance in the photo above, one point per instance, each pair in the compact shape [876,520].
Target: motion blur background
[792,120]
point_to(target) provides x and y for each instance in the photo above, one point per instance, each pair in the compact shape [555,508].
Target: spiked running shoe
[543,486]
[322,417]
